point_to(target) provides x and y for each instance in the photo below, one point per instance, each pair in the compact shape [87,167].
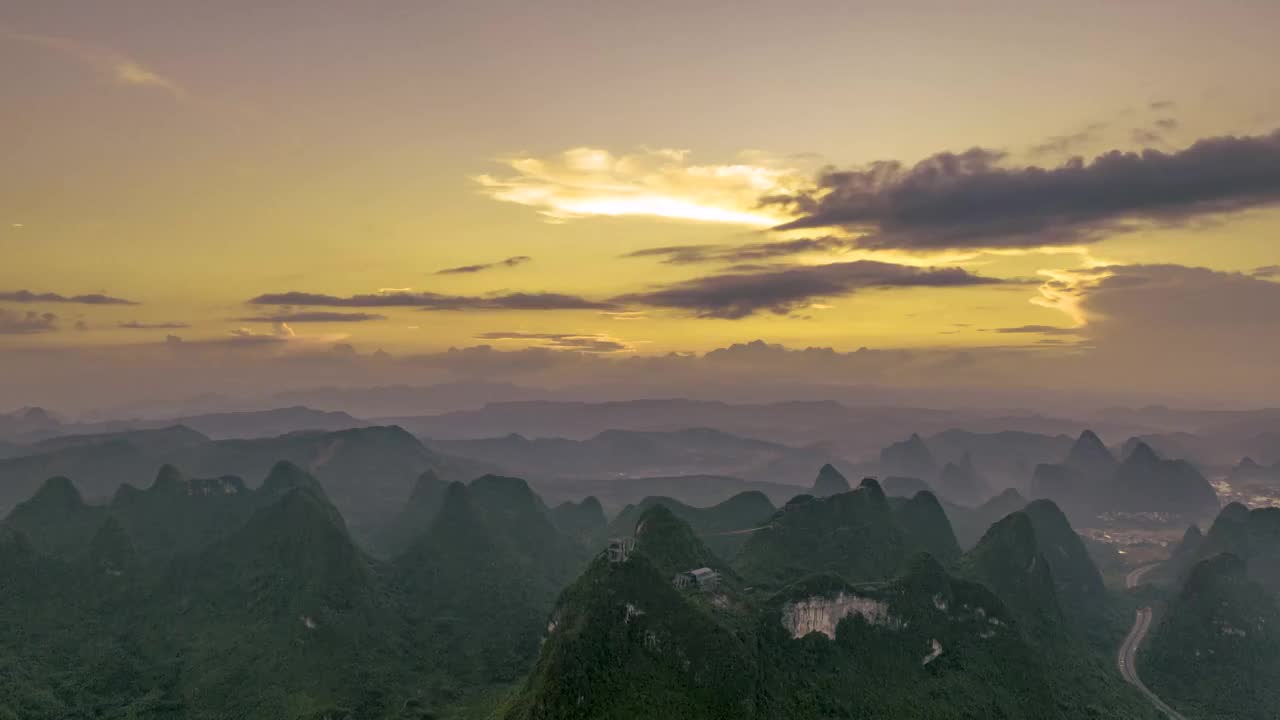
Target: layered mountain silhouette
[909,458]
[689,451]
[368,473]
[1090,481]
[961,482]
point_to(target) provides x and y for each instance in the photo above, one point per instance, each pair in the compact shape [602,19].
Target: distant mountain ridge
[368,472]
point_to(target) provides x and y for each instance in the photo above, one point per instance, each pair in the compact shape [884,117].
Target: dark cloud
[747,256]
[12,323]
[135,325]
[466,269]
[1266,271]
[781,291]
[1162,325]
[26,296]
[436,301]
[1166,124]
[1063,144]
[312,317]
[594,343]
[1161,105]
[679,254]
[1039,329]
[969,199]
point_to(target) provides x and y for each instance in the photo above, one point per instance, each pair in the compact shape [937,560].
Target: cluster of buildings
[703,578]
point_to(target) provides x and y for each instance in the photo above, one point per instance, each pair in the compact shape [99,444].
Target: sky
[1010,196]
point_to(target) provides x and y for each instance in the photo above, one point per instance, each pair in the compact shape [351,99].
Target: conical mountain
[829,482]
[623,643]
[514,513]
[1010,500]
[910,458]
[1091,458]
[851,535]
[970,524]
[1009,562]
[671,545]
[111,551]
[872,487]
[291,603]
[1078,582]
[723,526]
[57,494]
[927,527]
[416,517]
[1184,557]
[56,520]
[285,476]
[1248,471]
[1145,483]
[510,503]
[1253,536]
[492,569]
[1190,543]
[1142,454]
[580,520]
[1216,651]
[300,538]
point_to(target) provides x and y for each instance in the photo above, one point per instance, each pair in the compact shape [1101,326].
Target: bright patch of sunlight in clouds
[590,182]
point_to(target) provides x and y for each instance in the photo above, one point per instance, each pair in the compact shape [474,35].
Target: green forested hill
[201,599]
[848,624]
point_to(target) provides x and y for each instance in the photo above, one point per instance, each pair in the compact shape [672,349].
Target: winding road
[1127,658]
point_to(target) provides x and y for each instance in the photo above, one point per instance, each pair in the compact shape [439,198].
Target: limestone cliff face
[823,614]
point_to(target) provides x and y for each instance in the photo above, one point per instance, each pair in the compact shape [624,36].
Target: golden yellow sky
[189,158]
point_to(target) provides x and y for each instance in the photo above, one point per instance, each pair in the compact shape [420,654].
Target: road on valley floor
[1127,658]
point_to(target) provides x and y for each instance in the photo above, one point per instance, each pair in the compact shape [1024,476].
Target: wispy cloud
[312,317]
[12,323]
[110,64]
[135,325]
[436,301]
[1038,330]
[591,342]
[591,182]
[468,269]
[746,253]
[26,296]
[1065,144]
